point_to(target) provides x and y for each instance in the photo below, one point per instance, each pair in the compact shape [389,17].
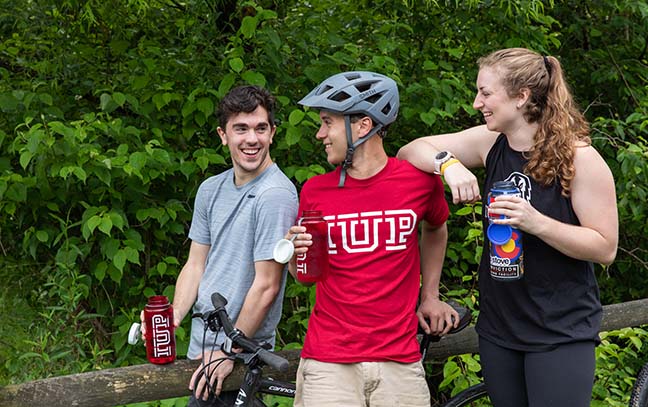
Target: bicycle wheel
[474,396]
[639,396]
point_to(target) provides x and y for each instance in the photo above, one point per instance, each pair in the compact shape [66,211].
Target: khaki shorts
[373,384]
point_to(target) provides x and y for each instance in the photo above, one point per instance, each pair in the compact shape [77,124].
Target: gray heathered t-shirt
[242,225]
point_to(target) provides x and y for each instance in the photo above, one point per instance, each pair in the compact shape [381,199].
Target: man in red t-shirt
[361,346]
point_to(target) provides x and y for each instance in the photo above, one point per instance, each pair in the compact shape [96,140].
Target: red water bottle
[160,337]
[313,265]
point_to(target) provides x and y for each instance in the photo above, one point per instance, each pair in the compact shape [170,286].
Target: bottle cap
[134,333]
[499,234]
[284,250]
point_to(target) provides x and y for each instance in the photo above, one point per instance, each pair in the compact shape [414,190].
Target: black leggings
[562,377]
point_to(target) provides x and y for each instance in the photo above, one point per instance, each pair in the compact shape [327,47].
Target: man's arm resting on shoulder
[433,247]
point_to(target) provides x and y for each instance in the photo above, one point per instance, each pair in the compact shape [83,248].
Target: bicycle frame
[255,357]
[253,383]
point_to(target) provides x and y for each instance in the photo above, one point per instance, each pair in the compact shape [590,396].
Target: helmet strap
[351,146]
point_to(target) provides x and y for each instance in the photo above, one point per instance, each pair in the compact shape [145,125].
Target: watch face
[441,155]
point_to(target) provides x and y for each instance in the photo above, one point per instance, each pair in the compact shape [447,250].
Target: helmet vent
[325,89]
[363,87]
[351,76]
[340,96]
[386,109]
[373,99]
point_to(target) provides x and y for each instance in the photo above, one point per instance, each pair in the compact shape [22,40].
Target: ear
[272,133]
[364,126]
[523,97]
[222,135]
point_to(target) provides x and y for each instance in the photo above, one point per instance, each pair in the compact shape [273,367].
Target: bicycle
[639,395]
[256,355]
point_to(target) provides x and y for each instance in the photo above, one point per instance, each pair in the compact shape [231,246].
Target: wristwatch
[440,159]
[227,346]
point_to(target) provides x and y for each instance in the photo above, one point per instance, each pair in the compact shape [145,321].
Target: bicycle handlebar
[238,338]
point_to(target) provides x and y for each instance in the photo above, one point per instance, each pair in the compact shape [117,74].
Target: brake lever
[210,319]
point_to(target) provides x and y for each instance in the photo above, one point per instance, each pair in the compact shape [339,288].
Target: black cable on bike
[205,366]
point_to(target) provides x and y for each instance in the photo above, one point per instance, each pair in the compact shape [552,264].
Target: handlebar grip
[274,360]
[269,358]
[218,301]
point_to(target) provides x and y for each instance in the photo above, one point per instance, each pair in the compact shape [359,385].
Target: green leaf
[140,82]
[103,174]
[236,64]
[138,160]
[161,268]
[25,158]
[46,99]
[79,173]
[293,135]
[8,102]
[466,210]
[226,84]
[188,108]
[296,116]
[17,192]
[117,220]
[119,260]
[115,274]
[93,222]
[100,271]
[119,98]
[206,106]
[106,225]
[248,26]
[132,255]
[105,100]
[428,118]
[42,236]
[203,162]
[254,78]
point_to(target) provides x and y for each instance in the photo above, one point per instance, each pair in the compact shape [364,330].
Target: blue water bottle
[506,253]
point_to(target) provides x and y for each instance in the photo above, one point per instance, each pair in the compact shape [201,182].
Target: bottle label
[301,263]
[162,340]
[506,254]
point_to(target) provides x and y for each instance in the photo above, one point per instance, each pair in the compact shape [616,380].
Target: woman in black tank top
[537,334]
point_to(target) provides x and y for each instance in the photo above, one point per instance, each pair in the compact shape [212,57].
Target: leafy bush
[108,127]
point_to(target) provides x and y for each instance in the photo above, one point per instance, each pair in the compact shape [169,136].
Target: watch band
[440,159]
[227,346]
[448,163]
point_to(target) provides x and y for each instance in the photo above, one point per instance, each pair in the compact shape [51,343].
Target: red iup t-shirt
[366,308]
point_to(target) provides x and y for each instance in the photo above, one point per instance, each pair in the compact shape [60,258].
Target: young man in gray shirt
[238,216]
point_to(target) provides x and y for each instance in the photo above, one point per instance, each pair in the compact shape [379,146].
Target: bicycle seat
[464,318]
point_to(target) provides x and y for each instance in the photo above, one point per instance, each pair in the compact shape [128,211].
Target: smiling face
[332,133]
[501,112]
[248,136]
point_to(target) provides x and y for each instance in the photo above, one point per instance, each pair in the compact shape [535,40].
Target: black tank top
[557,300]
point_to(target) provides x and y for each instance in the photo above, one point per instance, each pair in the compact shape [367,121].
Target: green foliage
[618,360]
[107,127]
[624,147]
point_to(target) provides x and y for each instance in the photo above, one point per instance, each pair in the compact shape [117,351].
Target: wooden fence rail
[140,383]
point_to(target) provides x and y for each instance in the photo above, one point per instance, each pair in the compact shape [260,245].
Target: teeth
[247,151]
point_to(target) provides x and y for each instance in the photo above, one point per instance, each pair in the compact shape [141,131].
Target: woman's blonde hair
[561,125]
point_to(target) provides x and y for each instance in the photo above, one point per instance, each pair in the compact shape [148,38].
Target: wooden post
[140,383]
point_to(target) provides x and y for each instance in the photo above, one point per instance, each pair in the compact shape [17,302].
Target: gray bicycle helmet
[356,92]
